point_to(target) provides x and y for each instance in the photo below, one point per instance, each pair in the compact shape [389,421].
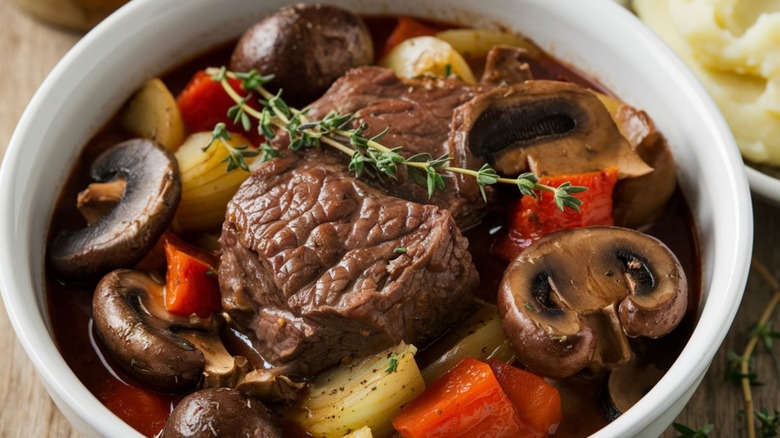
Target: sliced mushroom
[569,300]
[270,385]
[551,128]
[129,318]
[221,412]
[122,237]
[221,369]
[306,47]
[165,351]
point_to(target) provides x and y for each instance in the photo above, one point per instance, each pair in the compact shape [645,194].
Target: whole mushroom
[120,238]
[570,300]
[306,47]
[221,412]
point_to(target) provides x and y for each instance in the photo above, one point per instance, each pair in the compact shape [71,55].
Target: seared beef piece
[322,268]
[418,113]
[506,65]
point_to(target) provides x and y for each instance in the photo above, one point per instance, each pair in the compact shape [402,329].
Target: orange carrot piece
[191,285]
[531,218]
[405,29]
[538,403]
[467,401]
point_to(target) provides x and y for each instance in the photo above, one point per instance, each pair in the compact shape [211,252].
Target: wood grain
[29,50]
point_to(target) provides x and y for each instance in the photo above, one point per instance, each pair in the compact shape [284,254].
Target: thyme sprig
[769,424]
[367,154]
[689,432]
[747,378]
[236,154]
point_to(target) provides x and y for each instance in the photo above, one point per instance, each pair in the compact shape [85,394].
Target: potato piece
[206,187]
[153,114]
[368,394]
[474,44]
[479,337]
[427,55]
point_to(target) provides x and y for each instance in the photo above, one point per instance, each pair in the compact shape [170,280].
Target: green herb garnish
[367,154]
[236,154]
[392,364]
[689,432]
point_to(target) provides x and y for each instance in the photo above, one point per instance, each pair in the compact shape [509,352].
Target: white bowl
[148,36]
[766,186]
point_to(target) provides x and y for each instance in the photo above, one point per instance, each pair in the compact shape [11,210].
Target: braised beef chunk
[321,268]
[418,113]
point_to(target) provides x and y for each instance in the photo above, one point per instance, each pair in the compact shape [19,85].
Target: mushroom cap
[221,412]
[533,125]
[570,299]
[129,318]
[306,47]
[125,234]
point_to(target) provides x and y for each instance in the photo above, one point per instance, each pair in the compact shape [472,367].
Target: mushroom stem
[98,199]
[221,368]
[571,298]
[120,238]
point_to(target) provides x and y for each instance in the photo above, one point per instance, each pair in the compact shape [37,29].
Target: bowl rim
[764,185]
[71,395]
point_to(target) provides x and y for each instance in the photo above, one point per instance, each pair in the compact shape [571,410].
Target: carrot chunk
[531,218]
[538,403]
[467,401]
[191,285]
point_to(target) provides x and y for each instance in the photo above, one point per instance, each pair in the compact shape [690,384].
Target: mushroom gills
[501,128]
[164,351]
[571,300]
[549,127]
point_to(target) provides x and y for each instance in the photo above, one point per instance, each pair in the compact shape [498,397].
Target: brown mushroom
[626,385]
[164,351]
[221,412]
[306,47]
[569,300]
[221,369]
[551,128]
[270,385]
[125,234]
[634,205]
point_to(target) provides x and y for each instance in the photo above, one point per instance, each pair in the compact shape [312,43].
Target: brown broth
[69,305]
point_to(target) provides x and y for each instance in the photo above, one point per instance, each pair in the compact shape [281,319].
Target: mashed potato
[734,48]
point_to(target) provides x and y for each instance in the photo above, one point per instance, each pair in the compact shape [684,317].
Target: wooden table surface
[29,50]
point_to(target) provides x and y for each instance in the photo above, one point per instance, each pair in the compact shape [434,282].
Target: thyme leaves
[367,154]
